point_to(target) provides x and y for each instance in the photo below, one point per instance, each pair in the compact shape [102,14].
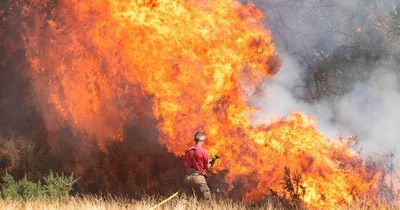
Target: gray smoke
[365,99]
[301,26]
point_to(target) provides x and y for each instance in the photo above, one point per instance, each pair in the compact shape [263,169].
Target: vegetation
[54,187]
[120,203]
[53,192]
[91,202]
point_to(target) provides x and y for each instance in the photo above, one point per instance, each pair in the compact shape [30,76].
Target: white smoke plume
[370,106]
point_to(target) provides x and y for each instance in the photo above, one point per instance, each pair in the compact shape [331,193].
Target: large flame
[200,61]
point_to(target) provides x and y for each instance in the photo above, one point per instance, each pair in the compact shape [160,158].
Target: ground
[96,203]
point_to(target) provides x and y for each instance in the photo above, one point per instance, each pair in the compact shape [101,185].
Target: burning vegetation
[131,81]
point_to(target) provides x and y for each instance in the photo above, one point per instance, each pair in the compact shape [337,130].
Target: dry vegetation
[94,203]
[119,203]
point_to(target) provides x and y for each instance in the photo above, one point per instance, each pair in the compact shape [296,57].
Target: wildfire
[200,61]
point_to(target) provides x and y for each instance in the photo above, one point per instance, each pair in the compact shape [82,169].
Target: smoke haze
[363,93]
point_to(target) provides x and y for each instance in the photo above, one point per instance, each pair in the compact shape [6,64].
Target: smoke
[348,43]
[283,94]
[371,110]
[303,27]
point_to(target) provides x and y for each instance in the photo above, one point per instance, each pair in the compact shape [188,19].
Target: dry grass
[96,203]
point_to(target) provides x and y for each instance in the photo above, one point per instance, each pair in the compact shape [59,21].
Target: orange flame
[200,61]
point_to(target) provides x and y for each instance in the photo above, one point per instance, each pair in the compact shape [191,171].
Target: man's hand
[213,159]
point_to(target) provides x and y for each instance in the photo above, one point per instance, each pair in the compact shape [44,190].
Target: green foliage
[58,186]
[22,189]
[10,186]
[55,187]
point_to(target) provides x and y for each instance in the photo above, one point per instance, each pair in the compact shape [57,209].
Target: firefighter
[197,163]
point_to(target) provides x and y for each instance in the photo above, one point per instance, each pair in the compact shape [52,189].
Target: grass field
[95,203]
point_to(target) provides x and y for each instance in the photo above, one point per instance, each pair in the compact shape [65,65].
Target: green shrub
[10,187]
[55,187]
[58,186]
[22,189]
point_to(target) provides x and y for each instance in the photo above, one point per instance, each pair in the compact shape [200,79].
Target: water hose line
[164,201]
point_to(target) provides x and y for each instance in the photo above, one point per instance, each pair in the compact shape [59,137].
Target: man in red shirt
[197,164]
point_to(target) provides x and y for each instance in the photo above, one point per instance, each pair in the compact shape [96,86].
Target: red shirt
[196,158]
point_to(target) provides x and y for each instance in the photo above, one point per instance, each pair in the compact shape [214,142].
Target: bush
[55,187]
[58,186]
[22,189]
